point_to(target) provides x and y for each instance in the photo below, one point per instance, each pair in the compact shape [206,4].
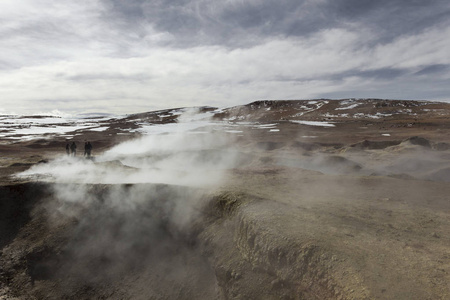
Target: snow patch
[313,123]
[234,131]
[349,107]
[99,128]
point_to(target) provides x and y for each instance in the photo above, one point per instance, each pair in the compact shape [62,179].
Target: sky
[128,56]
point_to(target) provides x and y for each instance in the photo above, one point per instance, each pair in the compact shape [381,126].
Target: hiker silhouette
[73,149]
[87,149]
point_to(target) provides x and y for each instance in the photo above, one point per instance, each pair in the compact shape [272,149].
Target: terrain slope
[310,199]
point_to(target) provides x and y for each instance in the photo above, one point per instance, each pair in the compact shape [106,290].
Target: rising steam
[181,158]
[135,208]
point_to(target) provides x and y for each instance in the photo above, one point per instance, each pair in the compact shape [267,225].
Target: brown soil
[309,212]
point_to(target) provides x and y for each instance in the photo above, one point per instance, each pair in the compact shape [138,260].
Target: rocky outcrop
[375,145]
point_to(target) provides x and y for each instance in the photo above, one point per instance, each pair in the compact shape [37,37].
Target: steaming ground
[108,241]
[134,207]
[272,200]
[190,160]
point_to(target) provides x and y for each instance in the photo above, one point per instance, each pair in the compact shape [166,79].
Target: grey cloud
[241,23]
[123,25]
[191,52]
[407,86]
[28,39]
[44,35]
[389,92]
[107,76]
[232,23]
[377,74]
[120,28]
[433,69]
[384,73]
[391,19]
[136,17]
[6,64]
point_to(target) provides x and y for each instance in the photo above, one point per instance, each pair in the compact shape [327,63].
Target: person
[68,149]
[73,148]
[85,148]
[89,149]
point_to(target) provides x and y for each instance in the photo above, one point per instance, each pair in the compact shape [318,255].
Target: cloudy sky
[125,56]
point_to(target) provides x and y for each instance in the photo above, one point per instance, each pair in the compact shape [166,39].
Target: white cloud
[175,77]
[428,47]
[68,56]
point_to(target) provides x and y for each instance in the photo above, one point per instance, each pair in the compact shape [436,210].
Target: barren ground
[355,211]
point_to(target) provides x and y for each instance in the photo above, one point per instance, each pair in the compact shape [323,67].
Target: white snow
[265,126]
[29,127]
[39,130]
[99,128]
[313,123]
[328,115]
[236,118]
[349,107]
[347,102]
[173,127]
[244,123]
[21,120]
[234,131]
[378,115]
